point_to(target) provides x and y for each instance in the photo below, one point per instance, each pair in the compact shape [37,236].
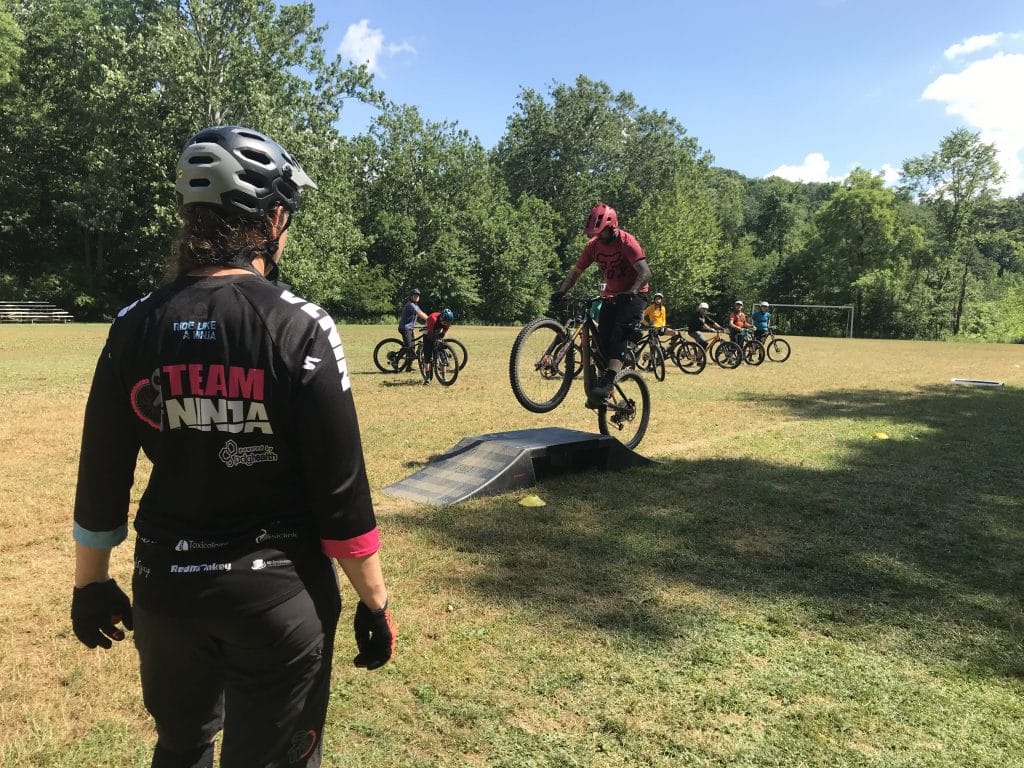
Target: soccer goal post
[808,318]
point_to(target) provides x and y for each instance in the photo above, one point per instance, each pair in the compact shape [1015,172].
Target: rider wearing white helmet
[762,320]
[701,321]
[656,316]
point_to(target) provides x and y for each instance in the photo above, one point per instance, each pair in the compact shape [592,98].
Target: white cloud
[987,96]
[889,174]
[814,168]
[972,44]
[363,44]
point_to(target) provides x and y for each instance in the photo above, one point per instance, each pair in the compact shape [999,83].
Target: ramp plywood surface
[505,461]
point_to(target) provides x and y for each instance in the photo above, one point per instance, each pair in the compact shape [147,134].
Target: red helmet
[601,216]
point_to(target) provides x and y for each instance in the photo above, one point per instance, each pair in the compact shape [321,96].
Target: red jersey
[616,259]
[436,324]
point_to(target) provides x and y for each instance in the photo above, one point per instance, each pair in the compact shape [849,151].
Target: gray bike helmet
[239,170]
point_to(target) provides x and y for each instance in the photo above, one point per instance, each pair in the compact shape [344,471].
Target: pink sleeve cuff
[357,546]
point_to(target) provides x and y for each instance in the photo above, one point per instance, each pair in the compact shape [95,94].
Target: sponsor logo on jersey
[203,568]
[226,398]
[141,569]
[186,545]
[195,330]
[235,455]
[264,536]
[259,564]
[327,326]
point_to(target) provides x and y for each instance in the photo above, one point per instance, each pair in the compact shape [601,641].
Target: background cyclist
[701,321]
[438,324]
[411,312]
[656,316]
[762,319]
[737,322]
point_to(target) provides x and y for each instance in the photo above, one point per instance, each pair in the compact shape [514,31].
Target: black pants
[264,679]
[616,323]
[407,337]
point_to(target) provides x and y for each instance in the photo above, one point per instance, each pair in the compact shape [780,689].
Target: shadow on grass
[921,534]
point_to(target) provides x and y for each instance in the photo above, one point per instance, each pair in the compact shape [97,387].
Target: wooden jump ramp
[505,461]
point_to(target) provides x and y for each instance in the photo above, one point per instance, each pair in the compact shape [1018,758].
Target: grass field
[784,589]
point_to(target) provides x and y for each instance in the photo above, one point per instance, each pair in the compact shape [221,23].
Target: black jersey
[238,392]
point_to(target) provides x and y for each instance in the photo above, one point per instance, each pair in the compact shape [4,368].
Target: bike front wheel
[658,362]
[459,350]
[753,352]
[624,415]
[728,354]
[778,350]
[542,365]
[446,364]
[690,357]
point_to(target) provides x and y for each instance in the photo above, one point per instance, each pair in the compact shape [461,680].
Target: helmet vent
[200,160]
[198,183]
[256,157]
[252,178]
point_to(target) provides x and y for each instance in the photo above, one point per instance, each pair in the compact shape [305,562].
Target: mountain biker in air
[702,321]
[626,273]
[438,324]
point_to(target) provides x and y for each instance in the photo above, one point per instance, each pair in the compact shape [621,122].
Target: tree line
[98,96]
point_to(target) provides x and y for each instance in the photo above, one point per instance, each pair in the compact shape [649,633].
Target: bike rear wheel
[690,357]
[388,357]
[728,354]
[541,366]
[626,412]
[778,350]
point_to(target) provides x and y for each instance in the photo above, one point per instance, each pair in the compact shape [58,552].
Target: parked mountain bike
[392,356]
[444,365]
[544,363]
[725,353]
[753,350]
[648,354]
[687,355]
[776,349]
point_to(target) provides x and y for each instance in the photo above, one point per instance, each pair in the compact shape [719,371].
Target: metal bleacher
[33,312]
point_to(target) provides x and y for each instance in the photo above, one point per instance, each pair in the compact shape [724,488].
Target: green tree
[11,40]
[679,231]
[955,182]
[586,144]
[860,254]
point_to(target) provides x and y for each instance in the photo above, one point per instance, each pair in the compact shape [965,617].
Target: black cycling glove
[375,636]
[95,609]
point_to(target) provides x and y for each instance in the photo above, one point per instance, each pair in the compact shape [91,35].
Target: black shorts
[616,323]
[262,678]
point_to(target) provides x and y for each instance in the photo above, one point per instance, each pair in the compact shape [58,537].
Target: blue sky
[805,89]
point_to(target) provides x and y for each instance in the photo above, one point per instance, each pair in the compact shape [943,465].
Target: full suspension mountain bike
[547,355]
